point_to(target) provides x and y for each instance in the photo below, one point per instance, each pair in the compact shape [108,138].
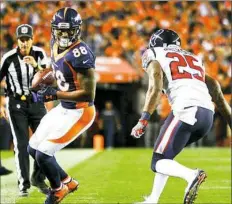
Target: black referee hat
[24,30]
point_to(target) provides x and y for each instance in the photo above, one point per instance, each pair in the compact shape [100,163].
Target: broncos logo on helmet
[66,27]
[163,38]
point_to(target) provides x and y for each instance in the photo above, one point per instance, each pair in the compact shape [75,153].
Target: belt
[27,98]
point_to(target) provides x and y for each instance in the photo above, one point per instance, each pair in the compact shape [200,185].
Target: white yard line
[66,158]
[205,159]
[215,187]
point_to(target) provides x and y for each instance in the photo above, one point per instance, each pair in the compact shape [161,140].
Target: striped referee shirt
[18,74]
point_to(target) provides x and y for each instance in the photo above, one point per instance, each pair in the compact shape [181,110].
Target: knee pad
[156,157]
[41,157]
[31,151]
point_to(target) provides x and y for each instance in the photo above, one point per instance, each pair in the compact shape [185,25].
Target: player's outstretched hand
[45,95]
[139,129]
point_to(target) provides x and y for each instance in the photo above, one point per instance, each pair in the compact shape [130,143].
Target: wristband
[145,116]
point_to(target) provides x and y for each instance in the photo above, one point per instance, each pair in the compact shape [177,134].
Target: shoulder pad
[81,56]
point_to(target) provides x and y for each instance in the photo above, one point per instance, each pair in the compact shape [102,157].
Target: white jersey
[185,74]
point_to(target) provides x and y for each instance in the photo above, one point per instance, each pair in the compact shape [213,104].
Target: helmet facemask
[65,35]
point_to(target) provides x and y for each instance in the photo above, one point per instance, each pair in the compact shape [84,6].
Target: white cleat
[193,187]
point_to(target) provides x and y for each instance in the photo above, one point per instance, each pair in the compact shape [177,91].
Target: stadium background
[118,32]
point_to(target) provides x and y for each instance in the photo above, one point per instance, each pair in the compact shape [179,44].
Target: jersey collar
[62,54]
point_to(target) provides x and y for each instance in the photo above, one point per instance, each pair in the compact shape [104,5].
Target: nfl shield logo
[24,30]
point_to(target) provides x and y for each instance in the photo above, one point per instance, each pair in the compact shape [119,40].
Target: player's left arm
[218,98]
[87,89]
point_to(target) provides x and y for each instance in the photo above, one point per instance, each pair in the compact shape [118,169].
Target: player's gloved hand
[45,95]
[139,129]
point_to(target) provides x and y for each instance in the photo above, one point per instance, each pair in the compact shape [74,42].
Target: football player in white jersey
[181,75]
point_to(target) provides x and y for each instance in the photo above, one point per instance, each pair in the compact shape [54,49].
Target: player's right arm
[153,95]
[87,81]
[218,98]
[82,62]
[86,92]
[155,86]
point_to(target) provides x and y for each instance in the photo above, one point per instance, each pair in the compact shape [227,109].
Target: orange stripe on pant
[84,120]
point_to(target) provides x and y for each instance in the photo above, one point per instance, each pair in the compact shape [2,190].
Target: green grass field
[124,176]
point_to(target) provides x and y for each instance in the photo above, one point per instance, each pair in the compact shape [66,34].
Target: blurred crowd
[122,29]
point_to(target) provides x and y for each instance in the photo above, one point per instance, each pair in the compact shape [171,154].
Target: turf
[124,176]
[6,154]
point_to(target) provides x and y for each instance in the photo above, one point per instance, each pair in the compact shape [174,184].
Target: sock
[63,174]
[67,180]
[37,172]
[49,165]
[57,189]
[159,182]
[172,168]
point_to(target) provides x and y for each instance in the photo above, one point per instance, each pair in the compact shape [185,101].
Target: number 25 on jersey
[184,67]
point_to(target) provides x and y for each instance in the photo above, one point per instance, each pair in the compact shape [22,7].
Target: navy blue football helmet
[163,38]
[66,26]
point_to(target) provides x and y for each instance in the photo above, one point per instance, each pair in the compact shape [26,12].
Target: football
[42,79]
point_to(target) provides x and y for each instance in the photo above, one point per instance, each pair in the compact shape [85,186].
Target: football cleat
[37,180]
[23,193]
[72,185]
[192,188]
[55,197]
[41,185]
[4,171]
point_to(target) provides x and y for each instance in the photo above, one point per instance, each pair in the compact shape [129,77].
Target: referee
[18,67]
